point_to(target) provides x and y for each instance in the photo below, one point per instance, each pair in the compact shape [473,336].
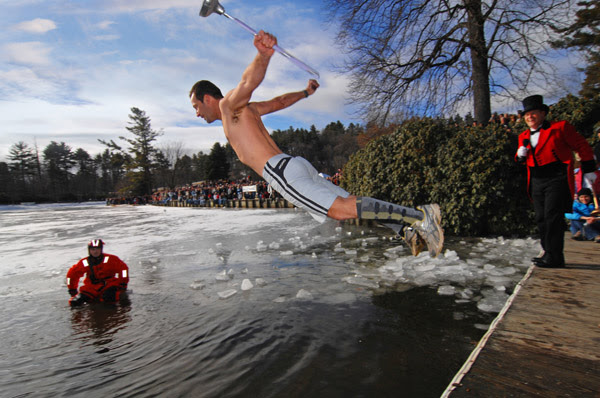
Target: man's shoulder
[559,124]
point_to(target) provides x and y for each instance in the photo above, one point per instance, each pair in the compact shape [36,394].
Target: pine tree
[142,152]
[584,35]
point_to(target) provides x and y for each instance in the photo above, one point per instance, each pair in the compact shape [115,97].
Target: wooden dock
[547,342]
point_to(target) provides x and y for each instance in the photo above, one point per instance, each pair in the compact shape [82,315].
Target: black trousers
[551,200]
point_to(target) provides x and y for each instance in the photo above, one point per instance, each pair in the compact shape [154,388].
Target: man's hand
[313,85]
[264,43]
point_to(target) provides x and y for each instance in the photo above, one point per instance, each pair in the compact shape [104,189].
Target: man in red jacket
[547,150]
[105,276]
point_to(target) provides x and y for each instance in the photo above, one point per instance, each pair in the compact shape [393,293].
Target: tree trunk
[479,62]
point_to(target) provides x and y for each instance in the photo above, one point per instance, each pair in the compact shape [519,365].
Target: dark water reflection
[396,344]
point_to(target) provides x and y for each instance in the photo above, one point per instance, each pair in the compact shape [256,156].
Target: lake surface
[241,303]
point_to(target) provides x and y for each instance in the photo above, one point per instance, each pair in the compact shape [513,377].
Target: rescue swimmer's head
[95,247]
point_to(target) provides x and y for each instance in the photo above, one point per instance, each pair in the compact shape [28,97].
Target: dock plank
[548,342]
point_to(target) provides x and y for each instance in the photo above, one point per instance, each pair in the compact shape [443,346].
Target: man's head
[585,195]
[204,105]
[534,111]
[95,247]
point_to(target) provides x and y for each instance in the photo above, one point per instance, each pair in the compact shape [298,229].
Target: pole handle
[276,47]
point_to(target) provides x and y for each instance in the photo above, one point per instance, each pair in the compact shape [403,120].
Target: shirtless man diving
[294,177]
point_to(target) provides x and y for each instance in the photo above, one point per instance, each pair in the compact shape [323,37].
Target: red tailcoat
[557,142]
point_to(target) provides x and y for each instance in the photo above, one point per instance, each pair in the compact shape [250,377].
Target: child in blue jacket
[583,225]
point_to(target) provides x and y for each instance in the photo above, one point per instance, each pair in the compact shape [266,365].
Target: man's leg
[538,195]
[576,228]
[425,220]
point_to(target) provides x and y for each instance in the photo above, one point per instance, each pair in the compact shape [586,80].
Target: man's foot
[577,236]
[430,229]
[548,264]
[413,240]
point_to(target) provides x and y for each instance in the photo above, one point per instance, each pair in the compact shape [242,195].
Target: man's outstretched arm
[254,73]
[285,100]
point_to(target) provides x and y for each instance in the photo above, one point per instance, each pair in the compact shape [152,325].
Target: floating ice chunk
[494,280]
[246,284]
[489,267]
[424,267]
[245,271]
[279,299]
[286,253]
[465,294]
[227,293]
[475,262]
[446,290]
[197,285]
[260,282]
[395,249]
[427,278]
[222,276]
[509,271]
[361,281]
[493,301]
[211,251]
[230,273]
[274,245]
[314,255]
[261,247]
[218,244]
[351,252]
[451,269]
[304,295]
[450,255]
[338,229]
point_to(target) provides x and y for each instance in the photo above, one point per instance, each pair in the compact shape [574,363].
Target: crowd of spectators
[199,193]
[133,200]
[505,119]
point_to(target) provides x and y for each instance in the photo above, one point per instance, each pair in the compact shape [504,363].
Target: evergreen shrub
[469,171]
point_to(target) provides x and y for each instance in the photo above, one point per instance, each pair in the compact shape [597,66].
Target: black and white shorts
[300,184]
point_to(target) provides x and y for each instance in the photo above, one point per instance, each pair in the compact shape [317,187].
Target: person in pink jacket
[105,276]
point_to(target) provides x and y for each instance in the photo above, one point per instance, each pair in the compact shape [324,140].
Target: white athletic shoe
[430,229]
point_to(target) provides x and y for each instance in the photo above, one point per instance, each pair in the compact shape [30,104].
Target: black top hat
[534,102]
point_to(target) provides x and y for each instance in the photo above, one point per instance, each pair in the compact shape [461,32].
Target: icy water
[241,303]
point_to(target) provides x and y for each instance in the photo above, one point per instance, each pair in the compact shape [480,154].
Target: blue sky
[70,71]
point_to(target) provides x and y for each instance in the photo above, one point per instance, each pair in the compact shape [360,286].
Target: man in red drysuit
[106,276]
